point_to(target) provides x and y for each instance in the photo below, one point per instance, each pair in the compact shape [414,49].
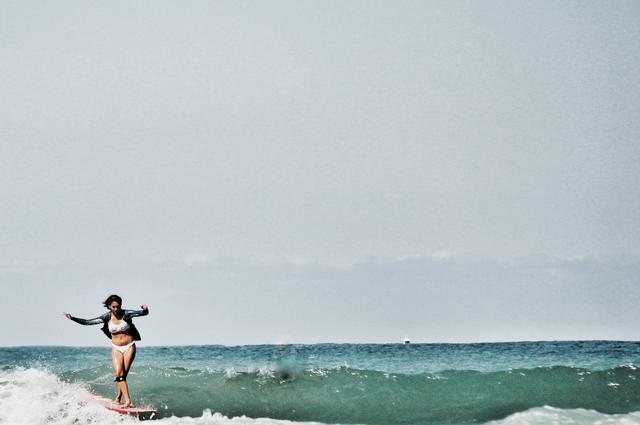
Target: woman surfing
[118,326]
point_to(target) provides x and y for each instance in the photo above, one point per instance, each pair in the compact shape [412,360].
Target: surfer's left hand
[144,307]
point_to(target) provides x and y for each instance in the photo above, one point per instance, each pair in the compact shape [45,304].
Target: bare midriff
[121,338]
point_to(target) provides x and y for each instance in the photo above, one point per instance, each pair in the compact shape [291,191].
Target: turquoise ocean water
[590,382]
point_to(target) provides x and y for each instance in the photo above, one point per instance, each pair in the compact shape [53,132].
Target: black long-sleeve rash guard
[105,318]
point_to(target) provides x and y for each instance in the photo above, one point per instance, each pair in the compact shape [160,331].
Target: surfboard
[140,412]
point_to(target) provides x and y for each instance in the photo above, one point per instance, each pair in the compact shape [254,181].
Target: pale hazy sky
[322,171]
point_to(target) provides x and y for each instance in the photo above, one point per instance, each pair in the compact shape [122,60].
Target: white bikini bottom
[123,348]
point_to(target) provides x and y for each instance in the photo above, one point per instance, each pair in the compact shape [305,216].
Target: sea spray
[35,396]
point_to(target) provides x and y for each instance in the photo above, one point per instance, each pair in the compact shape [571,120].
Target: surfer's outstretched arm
[137,313]
[95,321]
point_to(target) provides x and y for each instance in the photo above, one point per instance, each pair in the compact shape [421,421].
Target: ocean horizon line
[340,343]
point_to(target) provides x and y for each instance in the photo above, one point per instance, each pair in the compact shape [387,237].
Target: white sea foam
[209,418]
[551,416]
[34,396]
[230,372]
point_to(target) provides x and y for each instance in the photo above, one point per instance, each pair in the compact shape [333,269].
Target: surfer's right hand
[67,315]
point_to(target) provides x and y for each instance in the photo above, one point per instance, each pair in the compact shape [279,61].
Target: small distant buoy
[407,341]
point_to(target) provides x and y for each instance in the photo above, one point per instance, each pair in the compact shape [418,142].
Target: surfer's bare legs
[121,365]
[118,398]
[128,360]
[118,369]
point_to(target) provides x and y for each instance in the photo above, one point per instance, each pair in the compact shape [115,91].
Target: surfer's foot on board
[117,401]
[128,404]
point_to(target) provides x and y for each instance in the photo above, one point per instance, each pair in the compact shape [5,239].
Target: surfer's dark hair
[111,299]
